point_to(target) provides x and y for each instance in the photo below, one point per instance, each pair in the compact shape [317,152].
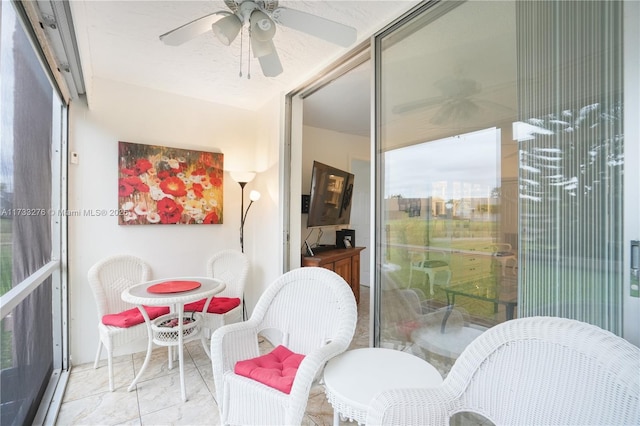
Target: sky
[470,160]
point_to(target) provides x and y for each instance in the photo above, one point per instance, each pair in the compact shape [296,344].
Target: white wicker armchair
[108,279]
[312,311]
[529,371]
[232,268]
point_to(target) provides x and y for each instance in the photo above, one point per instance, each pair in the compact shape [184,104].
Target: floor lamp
[242,178]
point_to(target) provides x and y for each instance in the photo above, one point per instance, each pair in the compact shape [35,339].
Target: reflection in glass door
[449,257]
[492,164]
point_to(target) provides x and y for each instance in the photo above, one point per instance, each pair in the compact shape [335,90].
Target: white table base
[139,296]
[180,344]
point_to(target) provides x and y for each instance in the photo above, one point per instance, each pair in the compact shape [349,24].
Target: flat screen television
[330,197]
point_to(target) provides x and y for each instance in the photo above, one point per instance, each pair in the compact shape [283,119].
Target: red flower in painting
[215,180]
[206,159]
[173,186]
[167,205]
[164,174]
[136,183]
[169,211]
[173,217]
[199,172]
[124,189]
[197,189]
[128,172]
[211,218]
[142,165]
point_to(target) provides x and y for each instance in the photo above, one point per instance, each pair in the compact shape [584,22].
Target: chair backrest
[418,257]
[308,306]
[111,276]
[537,370]
[412,298]
[501,248]
[547,370]
[232,268]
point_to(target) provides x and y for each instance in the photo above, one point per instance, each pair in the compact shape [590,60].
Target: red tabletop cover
[173,286]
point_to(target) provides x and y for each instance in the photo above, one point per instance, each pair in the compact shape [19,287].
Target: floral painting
[161,185]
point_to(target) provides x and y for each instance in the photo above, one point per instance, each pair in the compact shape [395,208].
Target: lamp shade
[227,29]
[254,195]
[262,27]
[242,177]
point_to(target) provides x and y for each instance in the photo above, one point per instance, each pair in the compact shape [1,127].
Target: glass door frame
[631,304]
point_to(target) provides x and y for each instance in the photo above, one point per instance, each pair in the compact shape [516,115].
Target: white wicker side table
[139,296]
[353,378]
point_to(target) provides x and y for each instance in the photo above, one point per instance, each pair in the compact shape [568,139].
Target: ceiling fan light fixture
[261,48]
[261,17]
[262,27]
[227,29]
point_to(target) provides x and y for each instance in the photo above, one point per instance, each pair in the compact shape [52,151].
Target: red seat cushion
[132,317]
[276,369]
[407,327]
[218,305]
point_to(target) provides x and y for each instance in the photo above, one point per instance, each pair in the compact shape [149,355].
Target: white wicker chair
[108,279]
[312,311]
[232,268]
[529,371]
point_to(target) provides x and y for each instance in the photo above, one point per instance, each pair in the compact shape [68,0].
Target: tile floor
[156,399]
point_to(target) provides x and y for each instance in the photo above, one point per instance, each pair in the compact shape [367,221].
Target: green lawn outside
[453,236]
[6,226]
[6,348]
[474,307]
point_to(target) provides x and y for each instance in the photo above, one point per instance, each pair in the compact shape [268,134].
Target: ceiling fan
[454,100]
[260,17]
[457,101]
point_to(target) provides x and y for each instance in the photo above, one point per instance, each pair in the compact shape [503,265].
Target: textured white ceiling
[344,105]
[119,41]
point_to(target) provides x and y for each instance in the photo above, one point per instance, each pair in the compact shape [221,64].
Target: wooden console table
[344,262]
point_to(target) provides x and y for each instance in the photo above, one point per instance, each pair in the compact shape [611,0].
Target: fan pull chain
[241,37]
[249,56]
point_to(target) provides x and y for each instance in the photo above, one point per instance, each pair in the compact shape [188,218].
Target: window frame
[56,268]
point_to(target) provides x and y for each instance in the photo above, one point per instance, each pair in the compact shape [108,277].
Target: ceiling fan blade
[317,26]
[270,64]
[418,104]
[192,29]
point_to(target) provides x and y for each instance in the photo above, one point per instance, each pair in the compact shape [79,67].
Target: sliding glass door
[500,167]
[570,131]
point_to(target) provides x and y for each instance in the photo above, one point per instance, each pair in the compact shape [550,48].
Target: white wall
[335,149]
[134,114]
[264,226]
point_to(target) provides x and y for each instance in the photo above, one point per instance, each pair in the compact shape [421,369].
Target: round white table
[353,378]
[139,296]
